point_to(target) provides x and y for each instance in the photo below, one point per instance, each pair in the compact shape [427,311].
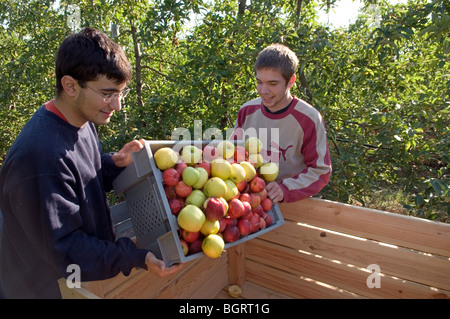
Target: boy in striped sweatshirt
[292,131]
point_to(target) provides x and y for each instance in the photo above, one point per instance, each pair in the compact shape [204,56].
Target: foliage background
[382,84]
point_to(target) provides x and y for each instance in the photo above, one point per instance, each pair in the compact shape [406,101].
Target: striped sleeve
[317,159]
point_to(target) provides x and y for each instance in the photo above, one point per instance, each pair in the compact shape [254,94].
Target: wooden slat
[396,261]
[236,264]
[292,285]
[339,274]
[252,291]
[74,293]
[204,280]
[405,231]
[143,284]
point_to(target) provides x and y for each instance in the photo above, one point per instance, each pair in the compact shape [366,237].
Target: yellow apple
[269,171]
[215,187]
[191,155]
[210,227]
[237,173]
[253,145]
[220,168]
[256,159]
[232,190]
[250,170]
[191,218]
[165,158]
[213,245]
[225,149]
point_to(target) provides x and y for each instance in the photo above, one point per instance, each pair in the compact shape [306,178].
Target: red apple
[263,194]
[185,246]
[223,225]
[176,204]
[235,208]
[257,184]
[269,220]
[244,226]
[231,221]
[170,191]
[170,176]
[231,234]
[255,200]
[182,189]
[258,210]
[206,166]
[262,223]
[180,167]
[242,186]
[247,208]
[189,236]
[254,223]
[240,154]
[214,209]
[267,204]
[245,197]
[195,246]
[210,153]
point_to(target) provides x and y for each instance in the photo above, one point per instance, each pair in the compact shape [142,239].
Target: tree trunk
[138,68]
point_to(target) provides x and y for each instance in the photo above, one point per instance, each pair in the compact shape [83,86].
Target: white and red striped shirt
[294,139]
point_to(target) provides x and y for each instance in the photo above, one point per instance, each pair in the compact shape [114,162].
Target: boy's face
[273,89]
[89,105]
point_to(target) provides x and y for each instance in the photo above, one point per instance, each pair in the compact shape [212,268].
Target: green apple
[191,155]
[253,145]
[203,177]
[215,187]
[226,149]
[190,175]
[256,159]
[213,245]
[250,170]
[191,218]
[237,173]
[165,158]
[269,171]
[196,197]
[220,168]
[210,227]
[232,190]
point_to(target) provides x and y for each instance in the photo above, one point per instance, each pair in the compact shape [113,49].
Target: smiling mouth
[108,114]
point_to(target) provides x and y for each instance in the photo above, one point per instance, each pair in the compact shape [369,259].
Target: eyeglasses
[109,97]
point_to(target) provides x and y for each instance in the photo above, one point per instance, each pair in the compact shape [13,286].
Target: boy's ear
[70,85]
[292,81]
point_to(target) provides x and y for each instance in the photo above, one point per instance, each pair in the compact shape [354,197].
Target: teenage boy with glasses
[54,178]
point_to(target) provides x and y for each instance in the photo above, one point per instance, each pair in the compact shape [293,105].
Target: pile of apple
[217,193]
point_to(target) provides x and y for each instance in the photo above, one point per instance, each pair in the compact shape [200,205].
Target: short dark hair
[278,57]
[89,54]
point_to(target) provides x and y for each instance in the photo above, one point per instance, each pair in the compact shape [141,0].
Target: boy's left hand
[123,158]
[274,192]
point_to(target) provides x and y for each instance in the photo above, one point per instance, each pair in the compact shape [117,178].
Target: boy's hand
[123,158]
[158,267]
[274,192]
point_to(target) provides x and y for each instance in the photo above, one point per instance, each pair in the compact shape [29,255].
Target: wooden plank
[74,293]
[339,274]
[196,282]
[252,291]
[396,261]
[293,285]
[144,284]
[236,264]
[406,231]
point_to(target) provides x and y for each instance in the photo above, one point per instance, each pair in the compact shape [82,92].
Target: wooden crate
[324,250]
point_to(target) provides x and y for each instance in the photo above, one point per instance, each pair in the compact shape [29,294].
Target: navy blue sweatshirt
[55,210]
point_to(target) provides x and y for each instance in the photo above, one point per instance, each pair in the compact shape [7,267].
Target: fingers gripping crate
[154,225]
